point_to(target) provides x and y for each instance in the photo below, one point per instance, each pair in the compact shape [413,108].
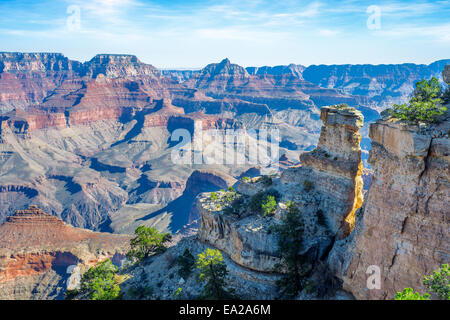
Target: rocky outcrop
[201,178]
[119,66]
[327,189]
[334,168]
[179,75]
[247,240]
[21,123]
[446,74]
[35,246]
[27,78]
[405,225]
[18,62]
[158,272]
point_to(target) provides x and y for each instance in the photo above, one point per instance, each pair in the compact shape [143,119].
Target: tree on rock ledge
[100,282]
[148,241]
[424,106]
[213,272]
[290,243]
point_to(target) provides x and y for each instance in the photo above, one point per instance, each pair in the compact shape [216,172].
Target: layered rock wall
[405,226]
[36,249]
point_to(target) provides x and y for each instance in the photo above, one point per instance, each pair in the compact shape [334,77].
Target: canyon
[401,228]
[92,145]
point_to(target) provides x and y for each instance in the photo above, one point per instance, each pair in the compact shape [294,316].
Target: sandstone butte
[36,250]
[404,227]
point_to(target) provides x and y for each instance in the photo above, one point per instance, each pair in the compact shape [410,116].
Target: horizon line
[200,68]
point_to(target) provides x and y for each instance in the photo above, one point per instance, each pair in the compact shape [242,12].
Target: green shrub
[246,179]
[231,189]
[186,263]
[235,206]
[100,282]
[230,196]
[70,294]
[266,181]
[439,282]
[427,90]
[343,106]
[148,241]
[214,196]
[409,294]
[177,293]
[268,206]
[290,244]
[424,106]
[256,201]
[213,272]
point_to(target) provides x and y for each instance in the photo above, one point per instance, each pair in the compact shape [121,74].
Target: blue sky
[190,34]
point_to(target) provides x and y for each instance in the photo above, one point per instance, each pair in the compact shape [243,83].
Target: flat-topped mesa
[295,70]
[335,167]
[18,62]
[119,66]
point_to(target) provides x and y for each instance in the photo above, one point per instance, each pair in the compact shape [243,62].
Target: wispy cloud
[328,32]
[238,33]
[437,32]
[280,30]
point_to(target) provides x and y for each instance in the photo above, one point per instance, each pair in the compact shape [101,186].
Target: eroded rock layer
[405,226]
[36,250]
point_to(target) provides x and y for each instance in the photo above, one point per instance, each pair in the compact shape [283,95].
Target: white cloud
[328,32]
[237,34]
[440,33]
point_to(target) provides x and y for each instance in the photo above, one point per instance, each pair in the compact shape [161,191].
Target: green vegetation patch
[148,241]
[424,106]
